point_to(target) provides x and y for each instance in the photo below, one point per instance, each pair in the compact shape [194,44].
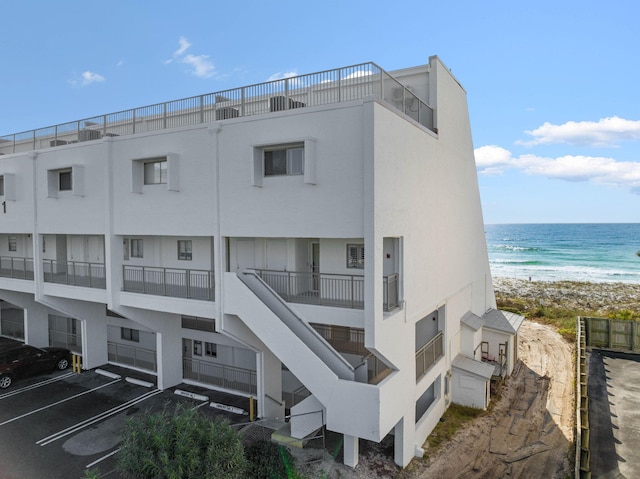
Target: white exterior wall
[470,390]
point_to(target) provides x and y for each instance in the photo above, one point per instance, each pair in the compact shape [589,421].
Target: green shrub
[183,444]
[91,474]
[269,461]
[625,314]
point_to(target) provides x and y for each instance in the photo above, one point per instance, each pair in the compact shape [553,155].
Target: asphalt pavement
[58,425]
[614,414]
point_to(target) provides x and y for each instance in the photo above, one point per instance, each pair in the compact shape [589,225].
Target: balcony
[324,289]
[172,282]
[429,354]
[14,267]
[227,377]
[74,273]
[332,86]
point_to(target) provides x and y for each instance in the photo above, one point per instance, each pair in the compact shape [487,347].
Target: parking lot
[614,414]
[60,424]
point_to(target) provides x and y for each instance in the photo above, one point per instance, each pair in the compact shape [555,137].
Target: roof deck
[332,86]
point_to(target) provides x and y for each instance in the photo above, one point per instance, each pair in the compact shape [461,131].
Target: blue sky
[552,86]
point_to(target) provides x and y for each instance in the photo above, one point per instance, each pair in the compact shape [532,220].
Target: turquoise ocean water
[597,253]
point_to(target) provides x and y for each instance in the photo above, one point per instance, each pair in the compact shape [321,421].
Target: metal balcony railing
[227,377]
[14,267]
[140,358]
[75,273]
[332,86]
[326,289]
[343,339]
[174,282]
[429,354]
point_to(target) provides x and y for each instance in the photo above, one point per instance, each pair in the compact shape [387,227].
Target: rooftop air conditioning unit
[88,135]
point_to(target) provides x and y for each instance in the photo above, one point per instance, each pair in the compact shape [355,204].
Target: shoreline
[577,295]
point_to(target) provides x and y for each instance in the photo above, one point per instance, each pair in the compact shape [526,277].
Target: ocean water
[599,253]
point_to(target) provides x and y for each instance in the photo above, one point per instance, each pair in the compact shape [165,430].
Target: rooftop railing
[332,86]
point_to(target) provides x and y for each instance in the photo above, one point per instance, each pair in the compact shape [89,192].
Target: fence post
[352,292]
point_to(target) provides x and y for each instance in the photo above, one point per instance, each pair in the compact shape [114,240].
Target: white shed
[471,381]
[500,339]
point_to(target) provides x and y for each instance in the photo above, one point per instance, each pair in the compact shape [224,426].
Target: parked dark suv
[21,361]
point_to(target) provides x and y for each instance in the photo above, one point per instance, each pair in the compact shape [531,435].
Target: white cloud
[606,132]
[600,170]
[184,46]
[201,66]
[91,77]
[282,76]
[358,74]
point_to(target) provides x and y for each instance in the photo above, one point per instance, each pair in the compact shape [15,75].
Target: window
[13,243]
[284,161]
[137,248]
[355,256]
[44,244]
[184,250]
[1,185]
[155,172]
[69,179]
[129,334]
[197,348]
[64,180]
[211,350]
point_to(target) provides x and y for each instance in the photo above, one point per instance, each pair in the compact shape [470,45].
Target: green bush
[625,314]
[269,461]
[183,444]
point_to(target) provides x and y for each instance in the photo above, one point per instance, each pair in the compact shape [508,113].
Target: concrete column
[94,343]
[350,450]
[169,354]
[36,324]
[404,445]
[270,381]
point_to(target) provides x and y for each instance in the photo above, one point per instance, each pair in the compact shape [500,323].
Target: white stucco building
[315,242]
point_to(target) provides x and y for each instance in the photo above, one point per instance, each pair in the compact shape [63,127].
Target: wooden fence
[613,333]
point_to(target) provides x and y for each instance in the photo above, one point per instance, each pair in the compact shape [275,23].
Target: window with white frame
[184,250]
[63,180]
[211,350]
[137,248]
[197,348]
[129,334]
[284,160]
[355,256]
[13,243]
[155,171]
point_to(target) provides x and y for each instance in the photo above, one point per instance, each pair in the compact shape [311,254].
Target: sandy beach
[600,298]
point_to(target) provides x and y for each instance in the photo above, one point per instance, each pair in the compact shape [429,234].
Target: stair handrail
[339,365]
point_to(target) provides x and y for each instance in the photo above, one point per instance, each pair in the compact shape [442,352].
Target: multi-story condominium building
[315,242]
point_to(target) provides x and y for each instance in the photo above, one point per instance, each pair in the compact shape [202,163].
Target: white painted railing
[332,86]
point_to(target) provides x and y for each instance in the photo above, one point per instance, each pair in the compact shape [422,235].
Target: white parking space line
[35,386]
[57,402]
[98,461]
[92,420]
